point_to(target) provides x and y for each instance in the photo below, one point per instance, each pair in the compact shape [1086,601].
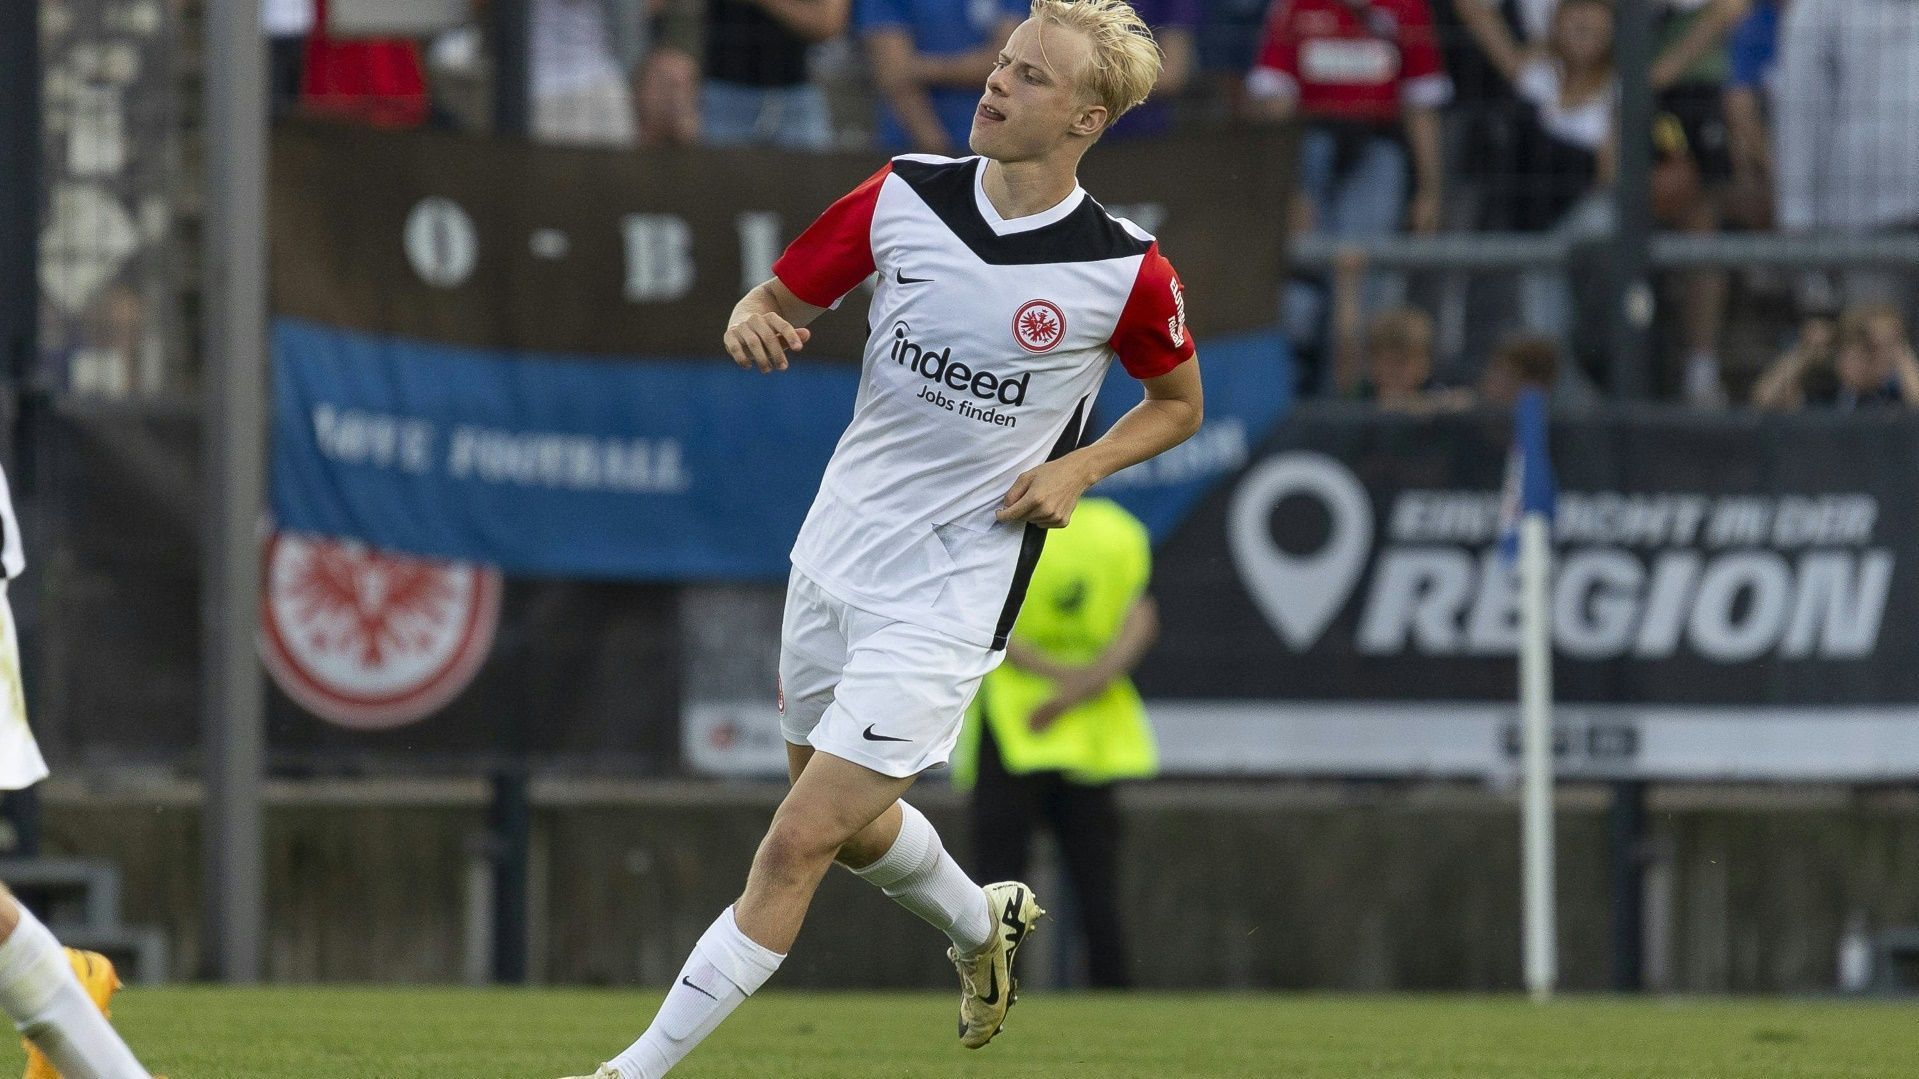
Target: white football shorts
[882,693]
[20,762]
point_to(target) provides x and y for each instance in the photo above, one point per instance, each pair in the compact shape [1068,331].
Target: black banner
[1729,597]
[584,674]
[507,245]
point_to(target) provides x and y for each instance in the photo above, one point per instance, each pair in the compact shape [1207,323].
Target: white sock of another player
[725,968]
[39,991]
[918,874]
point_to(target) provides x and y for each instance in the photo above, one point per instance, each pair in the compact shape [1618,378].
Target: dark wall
[1225,887]
[582,672]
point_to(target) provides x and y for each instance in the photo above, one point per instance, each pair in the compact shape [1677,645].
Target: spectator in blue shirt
[1753,49]
[930,61]
[1754,55]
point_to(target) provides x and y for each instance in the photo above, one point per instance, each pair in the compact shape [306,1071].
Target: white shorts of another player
[882,693]
[20,763]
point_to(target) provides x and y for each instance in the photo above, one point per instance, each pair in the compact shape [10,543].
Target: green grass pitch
[324,1033]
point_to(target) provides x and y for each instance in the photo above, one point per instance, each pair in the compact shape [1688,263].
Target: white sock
[39,991]
[725,968]
[918,874]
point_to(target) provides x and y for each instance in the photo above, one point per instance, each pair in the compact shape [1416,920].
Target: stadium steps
[138,952]
[79,899]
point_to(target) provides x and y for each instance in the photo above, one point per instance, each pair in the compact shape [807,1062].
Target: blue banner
[551,465]
[1249,389]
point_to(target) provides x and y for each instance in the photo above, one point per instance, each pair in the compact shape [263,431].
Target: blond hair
[1126,59]
[1857,322]
[1400,329]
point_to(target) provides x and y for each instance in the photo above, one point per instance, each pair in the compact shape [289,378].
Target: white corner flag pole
[1536,736]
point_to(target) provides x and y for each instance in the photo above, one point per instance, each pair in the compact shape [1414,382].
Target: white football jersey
[988,341]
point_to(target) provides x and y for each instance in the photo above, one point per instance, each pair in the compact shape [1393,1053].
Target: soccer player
[56,997]
[1004,293]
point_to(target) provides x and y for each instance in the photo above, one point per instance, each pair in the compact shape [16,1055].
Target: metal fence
[115,243]
[1699,172]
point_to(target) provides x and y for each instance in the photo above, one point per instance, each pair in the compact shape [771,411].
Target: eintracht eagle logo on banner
[368,639]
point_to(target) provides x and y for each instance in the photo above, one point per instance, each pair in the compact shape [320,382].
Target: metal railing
[1667,251]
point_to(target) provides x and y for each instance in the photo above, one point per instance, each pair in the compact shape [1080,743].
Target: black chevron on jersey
[1033,541]
[967,381]
[1088,234]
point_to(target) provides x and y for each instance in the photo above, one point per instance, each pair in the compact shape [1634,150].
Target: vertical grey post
[1631,301]
[19,328]
[510,820]
[1626,837]
[19,189]
[20,220]
[1630,279]
[235,364]
[512,67]
[510,816]
[19,206]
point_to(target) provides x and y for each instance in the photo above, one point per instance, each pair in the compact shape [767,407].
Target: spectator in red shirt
[1366,81]
[376,81]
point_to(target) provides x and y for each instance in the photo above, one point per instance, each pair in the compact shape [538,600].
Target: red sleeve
[1418,42]
[1278,47]
[835,253]
[1151,337]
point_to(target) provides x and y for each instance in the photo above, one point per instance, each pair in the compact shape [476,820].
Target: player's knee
[860,851]
[797,844]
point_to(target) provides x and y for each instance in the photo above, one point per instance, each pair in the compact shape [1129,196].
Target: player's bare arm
[1170,414]
[967,69]
[813,20]
[892,56]
[1028,658]
[768,322]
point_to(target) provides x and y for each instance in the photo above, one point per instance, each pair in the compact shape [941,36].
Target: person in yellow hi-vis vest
[1059,722]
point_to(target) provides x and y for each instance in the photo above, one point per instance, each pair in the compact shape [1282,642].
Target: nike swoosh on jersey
[905,280]
[871,737]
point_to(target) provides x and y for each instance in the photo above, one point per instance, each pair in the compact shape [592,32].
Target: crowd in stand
[1414,116]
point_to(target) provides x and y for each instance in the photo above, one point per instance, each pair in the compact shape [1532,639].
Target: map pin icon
[1300,594]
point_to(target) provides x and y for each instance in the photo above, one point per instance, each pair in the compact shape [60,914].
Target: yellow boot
[98,978]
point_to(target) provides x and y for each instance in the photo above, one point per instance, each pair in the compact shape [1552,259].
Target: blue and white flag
[1529,472]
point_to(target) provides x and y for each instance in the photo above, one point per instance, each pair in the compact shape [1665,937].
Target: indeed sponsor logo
[940,368]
